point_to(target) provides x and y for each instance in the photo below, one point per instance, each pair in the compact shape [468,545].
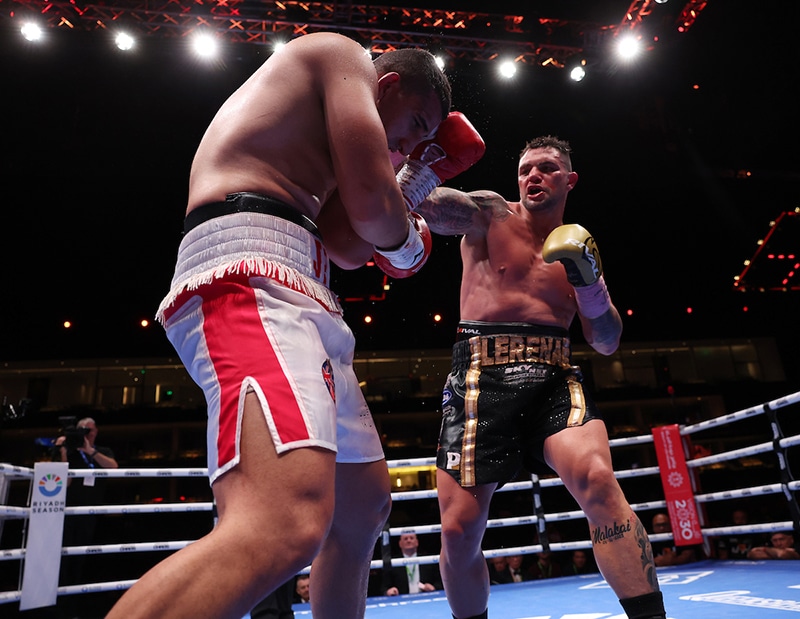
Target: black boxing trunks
[511,386]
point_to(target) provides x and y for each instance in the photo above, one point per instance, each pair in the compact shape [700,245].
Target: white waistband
[257,244]
[243,236]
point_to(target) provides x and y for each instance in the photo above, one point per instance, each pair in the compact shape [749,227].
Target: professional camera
[73,434]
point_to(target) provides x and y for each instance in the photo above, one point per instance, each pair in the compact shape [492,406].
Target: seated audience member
[302,589]
[667,553]
[545,566]
[516,568]
[781,547]
[737,545]
[499,572]
[579,562]
[414,577]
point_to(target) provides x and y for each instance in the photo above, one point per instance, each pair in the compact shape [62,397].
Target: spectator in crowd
[518,571]
[499,572]
[579,563]
[781,546]
[737,545]
[667,553]
[302,588]
[545,566]
[413,577]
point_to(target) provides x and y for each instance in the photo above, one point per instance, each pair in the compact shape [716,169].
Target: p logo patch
[327,376]
[453,460]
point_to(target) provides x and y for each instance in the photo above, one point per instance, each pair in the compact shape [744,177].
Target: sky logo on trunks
[524,372]
[327,376]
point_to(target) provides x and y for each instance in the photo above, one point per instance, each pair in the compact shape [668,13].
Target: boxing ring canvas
[702,590]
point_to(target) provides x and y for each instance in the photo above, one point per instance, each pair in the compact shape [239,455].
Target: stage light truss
[458,34]
[690,13]
[775,265]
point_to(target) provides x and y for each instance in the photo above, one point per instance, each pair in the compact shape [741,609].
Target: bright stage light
[577,73]
[507,69]
[628,47]
[31,31]
[124,41]
[439,62]
[205,45]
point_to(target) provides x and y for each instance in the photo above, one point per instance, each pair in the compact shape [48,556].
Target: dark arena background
[689,168]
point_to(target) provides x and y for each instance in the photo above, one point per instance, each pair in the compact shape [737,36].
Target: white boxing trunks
[249,310]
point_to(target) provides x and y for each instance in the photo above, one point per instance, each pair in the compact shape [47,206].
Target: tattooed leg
[624,556]
[582,459]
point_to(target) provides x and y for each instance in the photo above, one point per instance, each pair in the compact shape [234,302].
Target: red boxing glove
[455,148]
[411,255]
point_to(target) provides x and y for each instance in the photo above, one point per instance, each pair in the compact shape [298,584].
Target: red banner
[677,486]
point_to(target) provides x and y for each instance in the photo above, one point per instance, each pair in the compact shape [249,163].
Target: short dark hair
[550,141]
[419,72]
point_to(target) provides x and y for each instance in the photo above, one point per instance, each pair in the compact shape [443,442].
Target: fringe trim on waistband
[254,267]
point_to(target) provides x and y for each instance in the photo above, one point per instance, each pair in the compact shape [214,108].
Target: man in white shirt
[414,577]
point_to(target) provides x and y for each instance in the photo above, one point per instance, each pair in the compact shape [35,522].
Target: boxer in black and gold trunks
[511,386]
[513,399]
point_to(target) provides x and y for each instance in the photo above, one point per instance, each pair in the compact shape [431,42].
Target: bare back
[505,279]
[271,135]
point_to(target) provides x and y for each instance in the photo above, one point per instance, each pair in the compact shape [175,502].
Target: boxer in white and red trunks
[293,171]
[269,270]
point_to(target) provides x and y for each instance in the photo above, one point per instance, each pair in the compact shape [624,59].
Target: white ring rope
[161,508]
[12,472]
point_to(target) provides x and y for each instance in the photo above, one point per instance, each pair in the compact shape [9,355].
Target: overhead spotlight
[279,45]
[577,73]
[507,69]
[205,45]
[661,1]
[628,47]
[124,41]
[31,31]
[439,62]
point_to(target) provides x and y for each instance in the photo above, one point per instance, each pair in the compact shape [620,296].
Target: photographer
[76,445]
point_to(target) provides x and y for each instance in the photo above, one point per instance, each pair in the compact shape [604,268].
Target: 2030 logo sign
[686,517]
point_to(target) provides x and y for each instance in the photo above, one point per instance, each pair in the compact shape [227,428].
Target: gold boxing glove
[575,248]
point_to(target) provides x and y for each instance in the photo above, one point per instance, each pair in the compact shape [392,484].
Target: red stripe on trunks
[239,347]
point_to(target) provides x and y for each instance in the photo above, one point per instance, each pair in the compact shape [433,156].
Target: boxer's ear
[387,81]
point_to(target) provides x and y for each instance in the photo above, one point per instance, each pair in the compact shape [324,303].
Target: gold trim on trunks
[471,413]
[577,410]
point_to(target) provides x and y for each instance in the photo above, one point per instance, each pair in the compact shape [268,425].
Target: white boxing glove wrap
[593,300]
[408,254]
[416,181]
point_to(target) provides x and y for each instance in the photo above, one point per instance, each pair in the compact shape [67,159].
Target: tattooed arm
[449,211]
